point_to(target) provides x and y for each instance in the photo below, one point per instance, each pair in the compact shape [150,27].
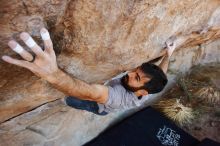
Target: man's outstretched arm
[45,66]
[165,61]
[77,88]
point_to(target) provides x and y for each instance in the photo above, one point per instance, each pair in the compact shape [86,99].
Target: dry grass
[209,94]
[184,85]
[173,109]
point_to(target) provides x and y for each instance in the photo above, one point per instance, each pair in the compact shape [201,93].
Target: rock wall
[94,40]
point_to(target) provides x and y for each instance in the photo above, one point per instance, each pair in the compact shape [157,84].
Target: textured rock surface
[94,40]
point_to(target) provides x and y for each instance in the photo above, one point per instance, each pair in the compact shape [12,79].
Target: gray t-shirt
[119,98]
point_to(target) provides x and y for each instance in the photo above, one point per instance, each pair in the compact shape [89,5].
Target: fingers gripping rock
[28,39]
[47,40]
[19,49]
[45,34]
[15,47]
[171,45]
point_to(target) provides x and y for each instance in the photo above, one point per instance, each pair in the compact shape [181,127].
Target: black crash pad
[147,127]
[208,142]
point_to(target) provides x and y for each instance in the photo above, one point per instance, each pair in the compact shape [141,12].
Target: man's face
[135,79]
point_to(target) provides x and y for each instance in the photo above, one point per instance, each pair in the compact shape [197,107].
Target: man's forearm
[171,46]
[71,86]
[165,63]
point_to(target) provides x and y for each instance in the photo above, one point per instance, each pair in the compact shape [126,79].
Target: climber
[130,90]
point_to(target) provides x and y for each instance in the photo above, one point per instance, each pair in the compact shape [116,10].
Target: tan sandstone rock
[95,40]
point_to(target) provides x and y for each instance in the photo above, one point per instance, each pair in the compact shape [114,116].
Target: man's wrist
[167,55]
[55,76]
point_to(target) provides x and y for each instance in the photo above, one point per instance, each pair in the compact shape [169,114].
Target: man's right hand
[171,46]
[43,64]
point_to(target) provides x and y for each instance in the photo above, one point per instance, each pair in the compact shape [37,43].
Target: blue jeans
[90,106]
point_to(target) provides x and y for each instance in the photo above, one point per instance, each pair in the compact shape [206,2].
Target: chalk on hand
[45,34]
[15,46]
[30,42]
[18,49]
[27,39]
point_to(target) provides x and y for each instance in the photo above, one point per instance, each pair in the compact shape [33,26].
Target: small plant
[183,84]
[176,111]
[209,94]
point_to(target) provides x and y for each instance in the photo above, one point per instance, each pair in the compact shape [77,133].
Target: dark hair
[158,78]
